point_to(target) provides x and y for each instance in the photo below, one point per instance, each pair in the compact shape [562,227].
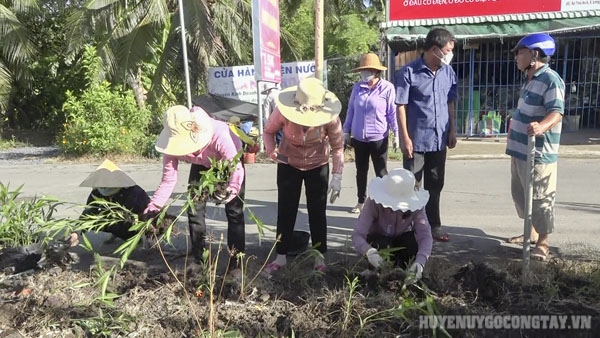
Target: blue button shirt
[426,96]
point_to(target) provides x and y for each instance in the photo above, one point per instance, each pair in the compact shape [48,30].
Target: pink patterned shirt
[223,145]
[306,148]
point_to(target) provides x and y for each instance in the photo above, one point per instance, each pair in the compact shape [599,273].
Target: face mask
[108,191]
[446,59]
[366,75]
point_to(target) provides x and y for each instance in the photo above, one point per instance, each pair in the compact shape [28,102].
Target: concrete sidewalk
[583,144]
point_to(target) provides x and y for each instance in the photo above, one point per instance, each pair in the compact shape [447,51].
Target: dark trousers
[234,210]
[377,150]
[289,187]
[405,243]
[431,167]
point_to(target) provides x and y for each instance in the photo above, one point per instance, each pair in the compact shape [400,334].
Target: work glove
[222,197]
[374,259]
[335,187]
[347,140]
[415,272]
[396,143]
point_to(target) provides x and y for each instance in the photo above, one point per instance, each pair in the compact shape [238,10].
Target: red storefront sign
[266,34]
[429,9]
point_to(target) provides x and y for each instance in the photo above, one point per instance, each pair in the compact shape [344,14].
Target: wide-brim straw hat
[369,61]
[308,104]
[108,175]
[396,190]
[184,131]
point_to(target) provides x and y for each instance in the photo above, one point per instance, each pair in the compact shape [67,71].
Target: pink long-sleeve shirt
[306,148]
[224,145]
[376,219]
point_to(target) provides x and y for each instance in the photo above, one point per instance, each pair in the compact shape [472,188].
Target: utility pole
[319,62]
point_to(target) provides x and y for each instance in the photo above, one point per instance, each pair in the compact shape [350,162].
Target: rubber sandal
[438,235]
[519,240]
[357,208]
[539,254]
[321,268]
[272,267]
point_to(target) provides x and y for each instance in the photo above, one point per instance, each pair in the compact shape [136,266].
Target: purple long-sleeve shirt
[224,145]
[371,112]
[376,219]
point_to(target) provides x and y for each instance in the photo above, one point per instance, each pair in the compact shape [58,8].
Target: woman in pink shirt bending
[308,116]
[192,136]
[394,217]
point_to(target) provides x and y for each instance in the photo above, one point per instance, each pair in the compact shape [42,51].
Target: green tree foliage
[351,36]
[16,49]
[103,119]
[36,99]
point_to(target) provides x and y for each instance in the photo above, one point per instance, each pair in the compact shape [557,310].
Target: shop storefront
[489,82]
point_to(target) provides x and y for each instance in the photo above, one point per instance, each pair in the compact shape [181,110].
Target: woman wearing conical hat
[110,184]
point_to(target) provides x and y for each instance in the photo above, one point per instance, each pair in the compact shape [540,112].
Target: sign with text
[266,40]
[436,9]
[239,82]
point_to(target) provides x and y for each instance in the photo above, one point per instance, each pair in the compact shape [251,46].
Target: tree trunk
[135,82]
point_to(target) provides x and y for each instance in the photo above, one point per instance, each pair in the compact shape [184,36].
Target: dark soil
[155,301]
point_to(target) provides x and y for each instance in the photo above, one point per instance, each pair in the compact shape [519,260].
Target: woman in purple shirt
[394,217]
[370,117]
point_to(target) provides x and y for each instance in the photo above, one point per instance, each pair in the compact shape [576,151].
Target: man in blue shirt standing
[425,98]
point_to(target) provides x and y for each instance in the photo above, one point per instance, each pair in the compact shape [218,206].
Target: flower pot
[249,158]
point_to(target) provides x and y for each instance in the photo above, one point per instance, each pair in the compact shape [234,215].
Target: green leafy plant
[103,119]
[21,219]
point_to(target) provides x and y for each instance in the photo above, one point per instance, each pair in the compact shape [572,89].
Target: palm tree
[133,36]
[16,47]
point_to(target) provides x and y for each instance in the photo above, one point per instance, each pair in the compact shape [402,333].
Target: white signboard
[579,5]
[238,82]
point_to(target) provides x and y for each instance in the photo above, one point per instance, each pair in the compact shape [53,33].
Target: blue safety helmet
[540,41]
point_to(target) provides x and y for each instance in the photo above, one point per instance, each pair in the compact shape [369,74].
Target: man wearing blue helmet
[539,112]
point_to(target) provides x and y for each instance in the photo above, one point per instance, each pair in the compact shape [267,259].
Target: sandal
[539,253]
[519,240]
[272,267]
[357,208]
[438,235]
[321,268]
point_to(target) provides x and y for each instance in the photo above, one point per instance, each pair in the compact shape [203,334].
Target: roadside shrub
[21,218]
[104,121]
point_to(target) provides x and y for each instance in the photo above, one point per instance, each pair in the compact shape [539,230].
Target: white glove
[223,197]
[347,139]
[374,258]
[396,143]
[335,187]
[415,272]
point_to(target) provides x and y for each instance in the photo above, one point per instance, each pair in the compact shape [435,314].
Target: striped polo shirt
[544,94]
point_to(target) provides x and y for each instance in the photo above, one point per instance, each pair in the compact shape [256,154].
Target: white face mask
[446,59]
[108,191]
[366,75]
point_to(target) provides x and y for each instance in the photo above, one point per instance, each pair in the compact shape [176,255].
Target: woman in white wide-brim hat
[192,136]
[394,217]
[308,115]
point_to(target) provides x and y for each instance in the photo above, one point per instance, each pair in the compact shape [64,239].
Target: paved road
[476,206]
